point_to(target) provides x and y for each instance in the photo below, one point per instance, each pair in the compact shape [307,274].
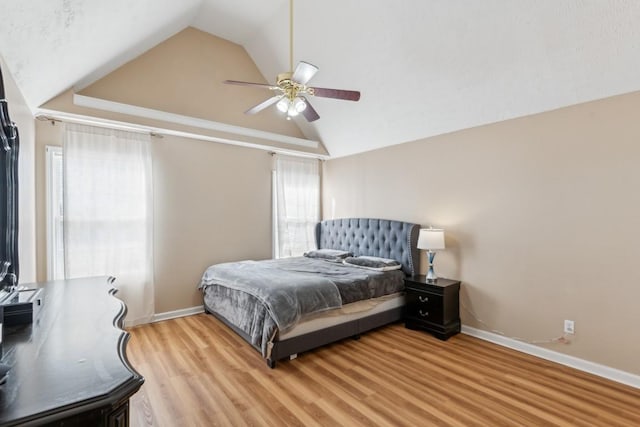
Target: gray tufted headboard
[372,237]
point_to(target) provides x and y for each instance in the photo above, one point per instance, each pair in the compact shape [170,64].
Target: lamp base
[431,274]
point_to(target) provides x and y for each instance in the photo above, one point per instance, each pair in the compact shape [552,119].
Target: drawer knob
[423,313]
[423,299]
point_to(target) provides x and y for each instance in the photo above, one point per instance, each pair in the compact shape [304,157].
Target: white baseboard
[554,356]
[158,317]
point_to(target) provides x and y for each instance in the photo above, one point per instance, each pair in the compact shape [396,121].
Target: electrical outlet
[569,327]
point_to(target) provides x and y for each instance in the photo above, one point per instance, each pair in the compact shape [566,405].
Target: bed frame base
[352,329]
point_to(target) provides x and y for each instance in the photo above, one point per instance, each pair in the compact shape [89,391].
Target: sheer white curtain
[297,204]
[108,212]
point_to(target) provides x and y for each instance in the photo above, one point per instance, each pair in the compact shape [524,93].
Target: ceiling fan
[291,88]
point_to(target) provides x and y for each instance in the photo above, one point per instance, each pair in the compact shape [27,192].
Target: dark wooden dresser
[69,367]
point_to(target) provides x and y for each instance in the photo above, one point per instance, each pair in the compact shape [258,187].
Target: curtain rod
[53,116]
[53,120]
[275,153]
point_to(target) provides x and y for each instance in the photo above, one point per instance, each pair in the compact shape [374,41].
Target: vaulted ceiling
[424,67]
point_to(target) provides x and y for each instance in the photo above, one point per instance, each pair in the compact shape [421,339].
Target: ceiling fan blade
[304,72]
[310,113]
[348,95]
[263,105]
[239,83]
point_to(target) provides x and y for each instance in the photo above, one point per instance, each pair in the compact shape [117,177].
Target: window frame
[51,151]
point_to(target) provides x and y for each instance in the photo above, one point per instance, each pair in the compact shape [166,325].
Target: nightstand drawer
[424,306]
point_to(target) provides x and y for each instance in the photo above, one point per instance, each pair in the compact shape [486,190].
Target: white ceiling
[424,67]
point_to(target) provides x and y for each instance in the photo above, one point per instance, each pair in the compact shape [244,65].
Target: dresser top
[72,356]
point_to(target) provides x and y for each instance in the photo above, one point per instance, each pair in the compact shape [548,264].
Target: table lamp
[431,239]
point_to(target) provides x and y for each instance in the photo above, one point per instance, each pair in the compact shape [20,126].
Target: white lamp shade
[431,239]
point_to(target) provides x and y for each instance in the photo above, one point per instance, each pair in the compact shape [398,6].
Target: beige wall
[542,220]
[212,204]
[21,115]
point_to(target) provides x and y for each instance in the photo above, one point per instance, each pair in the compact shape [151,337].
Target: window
[55,216]
[100,212]
[297,204]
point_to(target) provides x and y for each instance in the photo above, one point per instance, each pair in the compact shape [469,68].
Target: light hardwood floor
[199,373]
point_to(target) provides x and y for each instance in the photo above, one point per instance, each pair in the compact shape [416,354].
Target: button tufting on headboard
[373,237]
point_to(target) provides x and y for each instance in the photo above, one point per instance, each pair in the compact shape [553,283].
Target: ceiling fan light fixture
[292,112]
[283,105]
[299,105]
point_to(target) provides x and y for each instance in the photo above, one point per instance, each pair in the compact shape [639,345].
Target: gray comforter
[261,298]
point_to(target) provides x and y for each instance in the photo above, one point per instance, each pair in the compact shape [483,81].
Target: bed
[288,306]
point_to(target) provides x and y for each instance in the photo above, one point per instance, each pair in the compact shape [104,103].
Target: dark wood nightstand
[433,307]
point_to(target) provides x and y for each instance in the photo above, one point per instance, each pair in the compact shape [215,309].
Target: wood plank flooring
[200,373]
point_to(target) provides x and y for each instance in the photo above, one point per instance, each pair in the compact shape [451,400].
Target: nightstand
[433,307]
